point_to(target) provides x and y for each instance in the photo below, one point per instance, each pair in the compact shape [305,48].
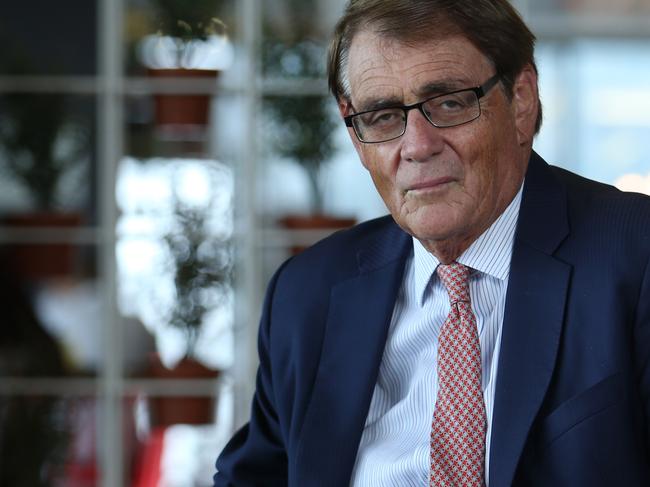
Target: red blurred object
[147,472]
[181,108]
[169,410]
[314,222]
[37,261]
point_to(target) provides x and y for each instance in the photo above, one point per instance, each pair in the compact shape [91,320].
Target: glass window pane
[615,104]
[51,310]
[48,441]
[172,34]
[596,96]
[180,447]
[172,124]
[309,164]
[622,7]
[48,38]
[175,258]
[210,125]
[181,454]
[295,36]
[47,155]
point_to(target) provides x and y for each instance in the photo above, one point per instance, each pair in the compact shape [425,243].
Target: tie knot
[455,277]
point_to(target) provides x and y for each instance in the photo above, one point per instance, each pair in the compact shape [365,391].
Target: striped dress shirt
[394,447]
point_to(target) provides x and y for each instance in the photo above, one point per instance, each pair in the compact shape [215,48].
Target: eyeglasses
[447,110]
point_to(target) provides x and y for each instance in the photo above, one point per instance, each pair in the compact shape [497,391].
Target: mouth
[429,185]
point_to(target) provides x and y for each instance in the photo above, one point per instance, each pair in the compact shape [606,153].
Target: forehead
[381,69]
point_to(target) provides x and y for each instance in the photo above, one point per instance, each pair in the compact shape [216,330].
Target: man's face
[443,186]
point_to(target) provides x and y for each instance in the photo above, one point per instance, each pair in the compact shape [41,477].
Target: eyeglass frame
[479,91]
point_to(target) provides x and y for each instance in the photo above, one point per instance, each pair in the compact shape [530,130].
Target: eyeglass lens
[442,111]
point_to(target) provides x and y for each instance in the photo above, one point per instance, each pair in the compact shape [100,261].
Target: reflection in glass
[180,453]
[174,256]
[621,7]
[177,34]
[47,441]
[170,125]
[45,152]
[164,52]
[300,129]
[291,21]
[51,311]
[48,38]
[597,108]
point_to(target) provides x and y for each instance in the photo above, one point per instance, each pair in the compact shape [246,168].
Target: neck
[447,251]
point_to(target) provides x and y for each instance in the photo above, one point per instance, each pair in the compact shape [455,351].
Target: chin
[431,217]
[430,230]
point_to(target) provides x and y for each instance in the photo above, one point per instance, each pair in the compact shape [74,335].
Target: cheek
[382,167]
[481,156]
[483,185]
[387,194]
[491,171]
[386,187]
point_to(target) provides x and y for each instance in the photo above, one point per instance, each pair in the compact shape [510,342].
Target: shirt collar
[490,253]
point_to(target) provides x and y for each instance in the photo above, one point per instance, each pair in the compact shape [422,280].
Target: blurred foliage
[292,21]
[202,269]
[302,126]
[190,19]
[39,143]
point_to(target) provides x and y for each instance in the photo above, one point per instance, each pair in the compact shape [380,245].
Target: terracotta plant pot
[179,108]
[314,222]
[38,261]
[170,410]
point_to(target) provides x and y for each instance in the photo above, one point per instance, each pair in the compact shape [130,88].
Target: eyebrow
[427,91]
[442,87]
[379,104]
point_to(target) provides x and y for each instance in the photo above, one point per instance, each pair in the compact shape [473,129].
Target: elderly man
[495,328]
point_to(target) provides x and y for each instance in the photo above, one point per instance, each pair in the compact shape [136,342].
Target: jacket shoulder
[341,254]
[610,220]
[604,200]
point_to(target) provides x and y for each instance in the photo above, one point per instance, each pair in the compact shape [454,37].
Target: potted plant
[201,269]
[187,21]
[200,264]
[302,126]
[191,42]
[41,144]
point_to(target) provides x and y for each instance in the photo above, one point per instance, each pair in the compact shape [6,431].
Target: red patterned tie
[459,423]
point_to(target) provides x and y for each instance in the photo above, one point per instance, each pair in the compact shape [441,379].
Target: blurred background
[159,159]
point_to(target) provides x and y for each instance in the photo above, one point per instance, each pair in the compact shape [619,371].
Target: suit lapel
[533,319]
[357,325]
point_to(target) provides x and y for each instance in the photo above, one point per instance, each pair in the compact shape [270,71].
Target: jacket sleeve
[256,454]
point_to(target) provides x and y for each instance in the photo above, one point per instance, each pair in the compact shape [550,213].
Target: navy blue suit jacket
[572,393]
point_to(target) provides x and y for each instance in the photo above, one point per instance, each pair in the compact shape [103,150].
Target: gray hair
[493,26]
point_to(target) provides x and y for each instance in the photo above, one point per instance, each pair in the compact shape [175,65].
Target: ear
[525,101]
[345,106]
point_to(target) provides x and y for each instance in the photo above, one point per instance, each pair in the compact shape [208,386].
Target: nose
[421,139]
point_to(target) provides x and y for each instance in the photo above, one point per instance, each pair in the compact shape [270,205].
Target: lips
[430,184]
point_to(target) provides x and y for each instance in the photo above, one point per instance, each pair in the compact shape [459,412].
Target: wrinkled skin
[443,186]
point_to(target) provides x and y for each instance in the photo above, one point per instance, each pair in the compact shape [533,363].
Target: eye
[382,117]
[449,103]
